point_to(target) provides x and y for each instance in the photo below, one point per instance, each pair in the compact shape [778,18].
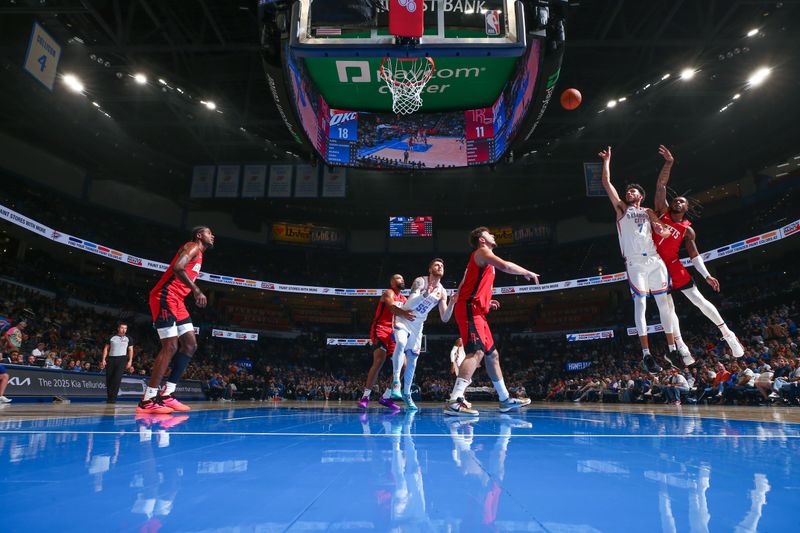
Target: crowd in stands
[51,331]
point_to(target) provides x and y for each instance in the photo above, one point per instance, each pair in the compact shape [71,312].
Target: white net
[405,78]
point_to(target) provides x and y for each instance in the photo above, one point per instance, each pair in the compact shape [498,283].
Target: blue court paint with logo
[293,469]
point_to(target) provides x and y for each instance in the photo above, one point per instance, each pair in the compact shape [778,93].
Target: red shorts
[679,277]
[383,337]
[474,329]
[168,310]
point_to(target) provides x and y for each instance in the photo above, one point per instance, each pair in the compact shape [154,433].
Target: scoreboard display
[410,226]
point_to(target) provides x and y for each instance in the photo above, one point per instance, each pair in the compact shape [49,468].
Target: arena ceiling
[151,134]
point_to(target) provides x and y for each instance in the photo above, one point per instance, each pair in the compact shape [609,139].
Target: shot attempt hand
[605,155]
[714,282]
[200,299]
[665,153]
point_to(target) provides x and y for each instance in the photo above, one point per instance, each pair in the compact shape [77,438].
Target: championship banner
[334,182]
[280,181]
[202,181]
[254,181]
[577,366]
[302,234]
[590,336]
[592,174]
[655,328]
[227,181]
[306,182]
[335,341]
[292,233]
[236,335]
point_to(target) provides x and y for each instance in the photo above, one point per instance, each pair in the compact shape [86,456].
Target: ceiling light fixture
[758,77]
[140,78]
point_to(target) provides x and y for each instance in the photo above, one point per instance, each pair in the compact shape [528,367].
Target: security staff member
[117,357]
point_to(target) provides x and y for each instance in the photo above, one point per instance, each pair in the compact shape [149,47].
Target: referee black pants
[115,367]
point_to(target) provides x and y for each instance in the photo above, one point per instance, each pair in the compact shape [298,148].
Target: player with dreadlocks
[673,216]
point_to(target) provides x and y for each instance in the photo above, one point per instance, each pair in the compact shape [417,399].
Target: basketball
[571,99]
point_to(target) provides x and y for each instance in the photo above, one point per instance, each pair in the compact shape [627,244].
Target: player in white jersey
[647,273]
[426,293]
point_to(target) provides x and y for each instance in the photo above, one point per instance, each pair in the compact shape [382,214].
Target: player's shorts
[647,276]
[170,317]
[3,370]
[408,340]
[383,337]
[680,278]
[474,329]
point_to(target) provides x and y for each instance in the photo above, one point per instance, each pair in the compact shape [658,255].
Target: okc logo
[411,5]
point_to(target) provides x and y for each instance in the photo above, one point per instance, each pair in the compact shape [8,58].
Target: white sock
[645,352]
[502,391]
[367,392]
[411,367]
[150,393]
[459,388]
[169,388]
[387,393]
[724,330]
[672,347]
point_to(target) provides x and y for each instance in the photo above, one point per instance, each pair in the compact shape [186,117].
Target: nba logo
[492,23]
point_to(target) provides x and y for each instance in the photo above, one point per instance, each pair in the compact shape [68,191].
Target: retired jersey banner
[306,181]
[236,335]
[335,341]
[334,182]
[254,181]
[590,336]
[203,181]
[280,181]
[655,328]
[227,181]
[592,174]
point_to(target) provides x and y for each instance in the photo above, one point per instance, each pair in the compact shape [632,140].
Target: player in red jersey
[382,337]
[173,323]
[474,301]
[673,216]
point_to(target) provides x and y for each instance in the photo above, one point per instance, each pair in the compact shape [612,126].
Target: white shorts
[647,276]
[407,341]
[175,330]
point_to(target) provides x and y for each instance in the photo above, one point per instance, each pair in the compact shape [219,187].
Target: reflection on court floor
[295,469]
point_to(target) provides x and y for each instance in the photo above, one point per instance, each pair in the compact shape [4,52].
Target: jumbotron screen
[458,138]
[410,226]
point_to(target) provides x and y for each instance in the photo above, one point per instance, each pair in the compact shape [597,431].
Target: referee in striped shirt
[117,357]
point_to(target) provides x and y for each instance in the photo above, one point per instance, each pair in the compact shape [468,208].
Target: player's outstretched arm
[612,193]
[690,238]
[661,204]
[188,253]
[446,308]
[388,299]
[658,228]
[485,256]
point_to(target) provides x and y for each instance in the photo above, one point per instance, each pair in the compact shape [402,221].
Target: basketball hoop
[406,77]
